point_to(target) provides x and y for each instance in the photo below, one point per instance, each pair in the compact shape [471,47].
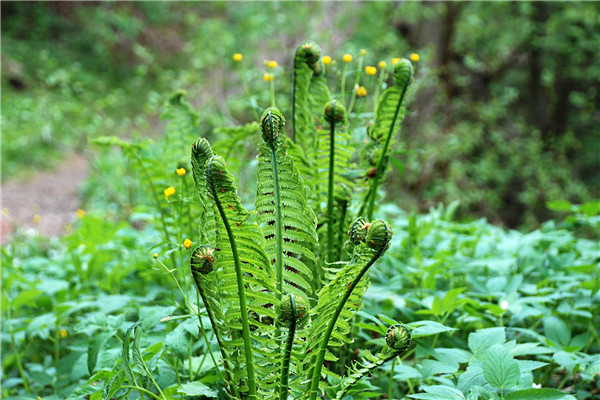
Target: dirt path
[51,195]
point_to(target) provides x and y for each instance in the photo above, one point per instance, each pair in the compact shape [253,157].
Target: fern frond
[318,90]
[397,339]
[288,222]
[340,299]
[201,153]
[245,281]
[307,55]
[389,114]
[183,123]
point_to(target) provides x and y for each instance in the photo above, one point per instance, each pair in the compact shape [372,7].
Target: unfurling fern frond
[245,282]
[340,299]
[389,115]
[183,123]
[303,124]
[397,339]
[289,224]
[319,90]
[201,152]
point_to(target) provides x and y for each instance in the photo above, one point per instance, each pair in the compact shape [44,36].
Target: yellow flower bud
[414,57]
[347,58]
[155,256]
[268,77]
[237,57]
[361,91]
[370,70]
[363,52]
[80,213]
[63,333]
[37,219]
[326,60]
[181,171]
[272,64]
[169,192]
[395,60]
[187,243]
[382,64]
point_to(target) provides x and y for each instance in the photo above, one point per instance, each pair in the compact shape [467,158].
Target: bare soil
[51,195]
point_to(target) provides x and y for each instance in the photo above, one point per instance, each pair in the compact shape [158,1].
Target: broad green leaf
[483,339]
[197,389]
[439,393]
[473,376]
[538,394]
[94,348]
[499,368]
[557,331]
[427,328]
[559,205]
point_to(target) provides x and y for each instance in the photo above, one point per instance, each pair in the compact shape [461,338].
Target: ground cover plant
[133,310]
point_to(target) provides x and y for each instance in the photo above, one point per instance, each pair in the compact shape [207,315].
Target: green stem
[341,226]
[391,386]
[212,320]
[141,390]
[17,355]
[343,88]
[377,87]
[356,80]
[272,92]
[380,166]
[285,366]
[242,295]
[330,240]
[316,373]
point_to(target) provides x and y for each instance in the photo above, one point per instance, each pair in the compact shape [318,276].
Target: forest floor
[47,201]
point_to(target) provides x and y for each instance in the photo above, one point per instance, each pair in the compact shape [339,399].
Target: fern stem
[330,240]
[316,373]
[212,320]
[380,168]
[294,99]
[391,385]
[341,225]
[287,352]
[242,295]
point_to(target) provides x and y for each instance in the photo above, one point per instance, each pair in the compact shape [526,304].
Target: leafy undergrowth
[494,314]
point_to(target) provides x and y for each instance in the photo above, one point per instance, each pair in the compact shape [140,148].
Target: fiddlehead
[330,326]
[397,339]
[389,114]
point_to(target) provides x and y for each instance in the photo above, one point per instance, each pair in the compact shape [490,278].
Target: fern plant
[254,273]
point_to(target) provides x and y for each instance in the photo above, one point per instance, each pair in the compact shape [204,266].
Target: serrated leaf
[557,331]
[483,339]
[499,368]
[125,355]
[538,394]
[94,348]
[113,385]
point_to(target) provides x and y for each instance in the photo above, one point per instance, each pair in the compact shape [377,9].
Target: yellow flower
[37,218]
[181,171]
[187,243]
[414,57]
[237,57]
[395,60]
[370,70]
[155,255]
[347,58]
[63,333]
[268,77]
[363,52]
[361,91]
[326,60]
[272,64]
[382,64]
[80,213]
[168,192]
[5,211]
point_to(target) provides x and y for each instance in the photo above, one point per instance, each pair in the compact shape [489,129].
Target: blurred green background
[504,115]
